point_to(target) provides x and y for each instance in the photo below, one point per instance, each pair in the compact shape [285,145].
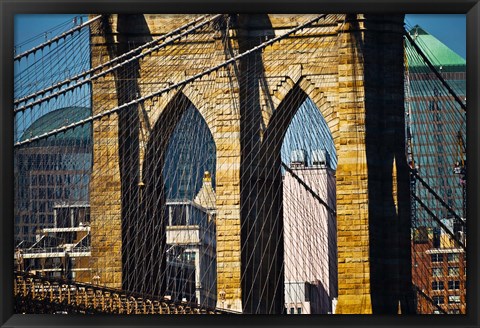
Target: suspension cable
[434,70]
[103,73]
[61,36]
[313,193]
[444,227]
[450,210]
[173,86]
[108,63]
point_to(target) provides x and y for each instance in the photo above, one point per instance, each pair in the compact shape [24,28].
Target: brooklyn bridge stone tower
[352,69]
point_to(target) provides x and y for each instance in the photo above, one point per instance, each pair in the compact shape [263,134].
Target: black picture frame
[11,7]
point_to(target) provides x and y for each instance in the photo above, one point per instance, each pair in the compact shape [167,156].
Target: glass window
[453,284]
[452,299]
[179,215]
[437,257]
[453,257]
[453,271]
[437,285]
[34,206]
[299,310]
[41,193]
[437,272]
[292,311]
[438,300]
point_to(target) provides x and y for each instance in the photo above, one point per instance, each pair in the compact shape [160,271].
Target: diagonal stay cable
[439,221]
[434,70]
[313,193]
[420,291]
[111,69]
[61,36]
[171,87]
[450,210]
[111,62]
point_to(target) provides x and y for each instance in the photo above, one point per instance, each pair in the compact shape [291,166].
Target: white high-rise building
[310,244]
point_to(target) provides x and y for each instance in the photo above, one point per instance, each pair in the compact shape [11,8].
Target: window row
[51,162]
[299,310]
[452,271]
[452,257]
[58,179]
[452,285]
[454,311]
[452,299]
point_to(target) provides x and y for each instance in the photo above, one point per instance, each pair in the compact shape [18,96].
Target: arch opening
[309,229]
[263,256]
[178,201]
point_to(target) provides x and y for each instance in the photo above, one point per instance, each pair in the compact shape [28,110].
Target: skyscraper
[436,132]
[309,238]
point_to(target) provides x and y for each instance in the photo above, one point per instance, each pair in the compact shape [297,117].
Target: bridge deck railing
[35,294]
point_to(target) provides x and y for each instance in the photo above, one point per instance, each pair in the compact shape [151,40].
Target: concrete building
[309,236]
[64,250]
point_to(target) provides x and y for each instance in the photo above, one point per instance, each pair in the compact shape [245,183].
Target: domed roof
[58,118]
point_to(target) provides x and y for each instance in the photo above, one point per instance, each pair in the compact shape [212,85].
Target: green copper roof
[58,118]
[437,52]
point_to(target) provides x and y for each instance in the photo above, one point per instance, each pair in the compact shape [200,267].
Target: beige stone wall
[327,66]
[105,191]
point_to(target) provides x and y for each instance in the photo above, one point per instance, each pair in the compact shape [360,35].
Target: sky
[450,29]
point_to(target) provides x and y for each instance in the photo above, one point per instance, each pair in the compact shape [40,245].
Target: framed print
[287,164]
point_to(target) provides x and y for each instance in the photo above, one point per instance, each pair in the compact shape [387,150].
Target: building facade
[62,251]
[52,172]
[436,132]
[191,248]
[436,125]
[309,236]
[439,273]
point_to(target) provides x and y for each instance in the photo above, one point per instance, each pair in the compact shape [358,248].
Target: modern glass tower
[436,132]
